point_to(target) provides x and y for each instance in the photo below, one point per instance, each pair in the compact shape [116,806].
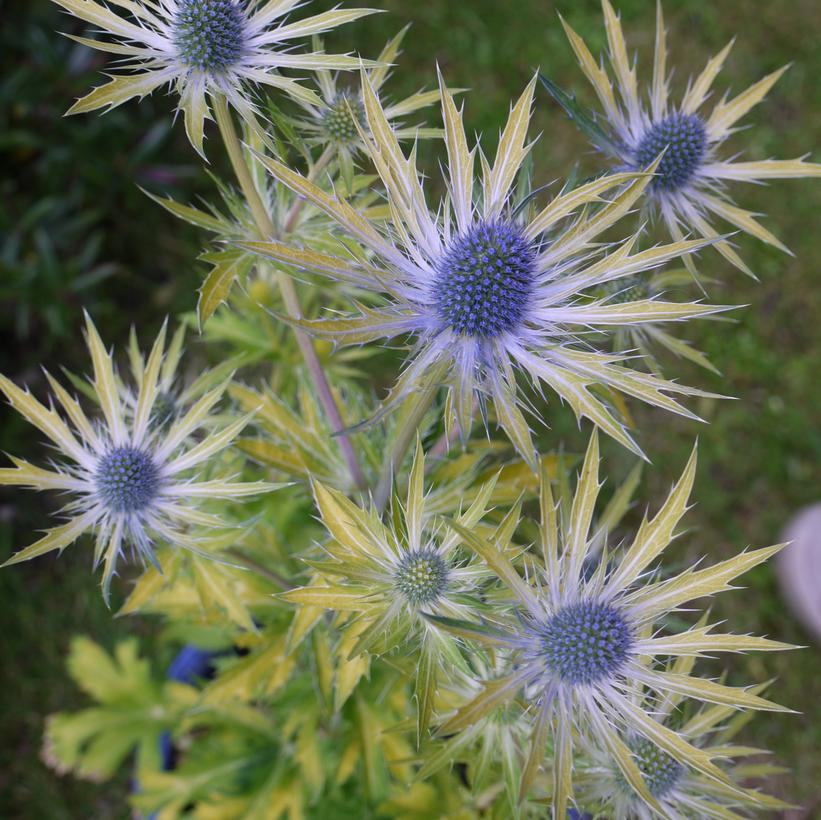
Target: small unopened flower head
[336,120]
[661,772]
[494,740]
[683,140]
[341,117]
[166,407]
[586,642]
[210,34]
[671,787]
[625,290]
[422,576]
[484,281]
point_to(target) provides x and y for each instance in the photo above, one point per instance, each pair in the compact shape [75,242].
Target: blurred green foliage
[75,231]
[73,225]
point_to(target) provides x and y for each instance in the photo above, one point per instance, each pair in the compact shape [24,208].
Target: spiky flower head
[343,118]
[679,790]
[337,122]
[132,477]
[485,285]
[689,189]
[205,49]
[682,140]
[585,646]
[389,574]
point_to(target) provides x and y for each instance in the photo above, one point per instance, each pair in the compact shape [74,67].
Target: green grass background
[75,231]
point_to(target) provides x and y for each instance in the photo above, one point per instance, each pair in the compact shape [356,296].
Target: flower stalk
[407,433]
[267,230]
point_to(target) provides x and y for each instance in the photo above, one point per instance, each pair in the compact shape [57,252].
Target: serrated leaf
[227,267]
[584,119]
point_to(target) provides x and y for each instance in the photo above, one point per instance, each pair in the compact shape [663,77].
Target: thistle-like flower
[689,188]
[206,48]
[134,475]
[391,573]
[587,645]
[483,284]
[336,123]
[681,792]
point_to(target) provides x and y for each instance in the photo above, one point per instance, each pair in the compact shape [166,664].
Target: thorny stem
[289,295]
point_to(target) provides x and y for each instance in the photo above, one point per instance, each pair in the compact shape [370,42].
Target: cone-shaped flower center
[685,138]
[625,289]
[484,279]
[341,117]
[422,576]
[586,642]
[127,479]
[209,34]
[660,771]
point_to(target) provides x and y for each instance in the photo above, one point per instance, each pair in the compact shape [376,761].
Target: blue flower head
[485,279]
[683,139]
[209,34]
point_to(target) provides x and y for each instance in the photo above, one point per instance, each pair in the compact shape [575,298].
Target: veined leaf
[228,265]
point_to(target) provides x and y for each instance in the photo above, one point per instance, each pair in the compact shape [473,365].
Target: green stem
[406,435]
[232,145]
[267,230]
[443,444]
[314,171]
[283,583]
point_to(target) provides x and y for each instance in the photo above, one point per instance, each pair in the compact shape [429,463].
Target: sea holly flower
[681,791]
[336,123]
[206,48]
[390,573]
[586,644]
[132,478]
[689,189]
[485,285]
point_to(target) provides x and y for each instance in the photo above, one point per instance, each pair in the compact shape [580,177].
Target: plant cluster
[405,604]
